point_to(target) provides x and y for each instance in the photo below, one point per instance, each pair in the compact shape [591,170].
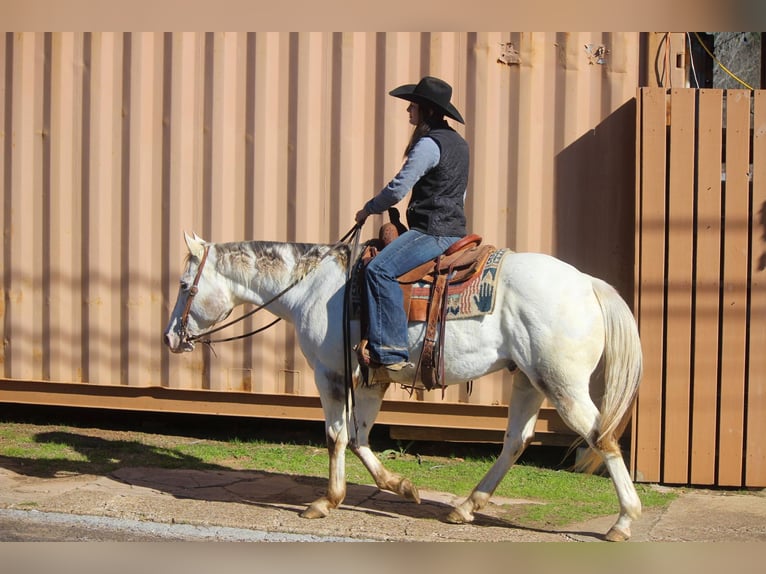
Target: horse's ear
[195,244]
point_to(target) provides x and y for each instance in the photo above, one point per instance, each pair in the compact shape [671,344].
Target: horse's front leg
[367,405]
[331,392]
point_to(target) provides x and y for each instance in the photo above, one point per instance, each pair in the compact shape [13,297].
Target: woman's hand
[361,216]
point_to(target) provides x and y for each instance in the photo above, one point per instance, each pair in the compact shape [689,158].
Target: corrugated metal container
[113,144]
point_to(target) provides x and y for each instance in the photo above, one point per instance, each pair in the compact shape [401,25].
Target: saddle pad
[468,299]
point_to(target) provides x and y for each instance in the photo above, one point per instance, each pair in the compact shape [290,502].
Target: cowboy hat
[431,90]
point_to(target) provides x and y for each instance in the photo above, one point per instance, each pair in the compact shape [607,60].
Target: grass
[91,444]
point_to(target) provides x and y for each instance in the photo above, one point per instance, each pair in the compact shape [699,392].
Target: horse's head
[203,298]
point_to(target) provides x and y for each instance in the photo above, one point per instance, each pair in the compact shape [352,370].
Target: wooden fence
[701,287]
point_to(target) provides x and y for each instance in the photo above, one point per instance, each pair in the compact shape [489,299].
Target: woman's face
[414,112]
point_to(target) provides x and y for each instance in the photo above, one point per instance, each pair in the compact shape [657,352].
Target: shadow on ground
[162,473]
[128,477]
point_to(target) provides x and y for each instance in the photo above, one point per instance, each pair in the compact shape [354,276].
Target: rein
[351,235]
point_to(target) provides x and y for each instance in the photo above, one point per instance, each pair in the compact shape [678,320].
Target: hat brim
[406,92]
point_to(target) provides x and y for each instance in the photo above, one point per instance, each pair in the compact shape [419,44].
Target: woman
[436,169]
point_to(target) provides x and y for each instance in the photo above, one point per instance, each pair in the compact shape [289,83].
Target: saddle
[445,275]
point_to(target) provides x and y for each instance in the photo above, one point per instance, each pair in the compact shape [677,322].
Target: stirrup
[363,356]
[400,366]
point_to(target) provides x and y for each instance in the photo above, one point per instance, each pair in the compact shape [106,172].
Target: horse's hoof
[617,535]
[314,511]
[458,516]
[409,491]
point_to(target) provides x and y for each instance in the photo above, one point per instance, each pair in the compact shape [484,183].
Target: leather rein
[351,236]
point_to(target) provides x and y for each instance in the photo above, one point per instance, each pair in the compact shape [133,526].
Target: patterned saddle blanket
[472,297]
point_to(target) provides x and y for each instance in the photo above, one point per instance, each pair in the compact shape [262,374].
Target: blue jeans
[387,333]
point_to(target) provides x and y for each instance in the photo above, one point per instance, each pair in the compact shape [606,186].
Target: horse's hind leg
[524,406]
[581,415]
[630,504]
[366,408]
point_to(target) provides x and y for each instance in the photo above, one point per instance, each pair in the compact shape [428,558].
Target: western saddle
[461,263]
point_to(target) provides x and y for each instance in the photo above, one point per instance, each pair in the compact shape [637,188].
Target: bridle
[193,290]
[351,236]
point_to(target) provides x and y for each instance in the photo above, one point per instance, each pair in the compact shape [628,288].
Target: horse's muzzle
[177,344]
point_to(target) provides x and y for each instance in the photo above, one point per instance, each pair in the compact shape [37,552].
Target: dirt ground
[227,505]
[153,503]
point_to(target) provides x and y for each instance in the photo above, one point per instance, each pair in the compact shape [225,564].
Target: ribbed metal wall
[113,144]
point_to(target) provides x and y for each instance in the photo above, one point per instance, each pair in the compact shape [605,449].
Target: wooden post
[666,60]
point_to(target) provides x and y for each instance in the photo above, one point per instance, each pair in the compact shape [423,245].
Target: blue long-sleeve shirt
[425,155]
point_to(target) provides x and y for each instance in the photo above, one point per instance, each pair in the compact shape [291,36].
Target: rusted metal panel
[113,144]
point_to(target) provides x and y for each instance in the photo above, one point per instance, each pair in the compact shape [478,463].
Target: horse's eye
[184,285]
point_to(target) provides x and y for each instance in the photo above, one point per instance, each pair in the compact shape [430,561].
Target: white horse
[567,336]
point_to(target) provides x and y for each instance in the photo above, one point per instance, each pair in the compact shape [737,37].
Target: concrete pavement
[171,504]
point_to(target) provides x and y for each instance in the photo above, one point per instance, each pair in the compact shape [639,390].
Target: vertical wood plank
[679,287]
[734,307]
[755,454]
[6,101]
[651,240]
[637,272]
[707,287]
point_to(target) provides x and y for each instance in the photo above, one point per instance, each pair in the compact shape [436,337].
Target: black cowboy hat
[431,90]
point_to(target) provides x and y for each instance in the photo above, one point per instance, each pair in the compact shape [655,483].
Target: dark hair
[428,117]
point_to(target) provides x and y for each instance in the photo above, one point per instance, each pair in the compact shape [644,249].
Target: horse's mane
[271,257]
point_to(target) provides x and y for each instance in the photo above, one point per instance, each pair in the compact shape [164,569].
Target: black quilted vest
[436,204]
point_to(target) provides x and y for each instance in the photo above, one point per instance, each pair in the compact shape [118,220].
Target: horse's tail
[622,367]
